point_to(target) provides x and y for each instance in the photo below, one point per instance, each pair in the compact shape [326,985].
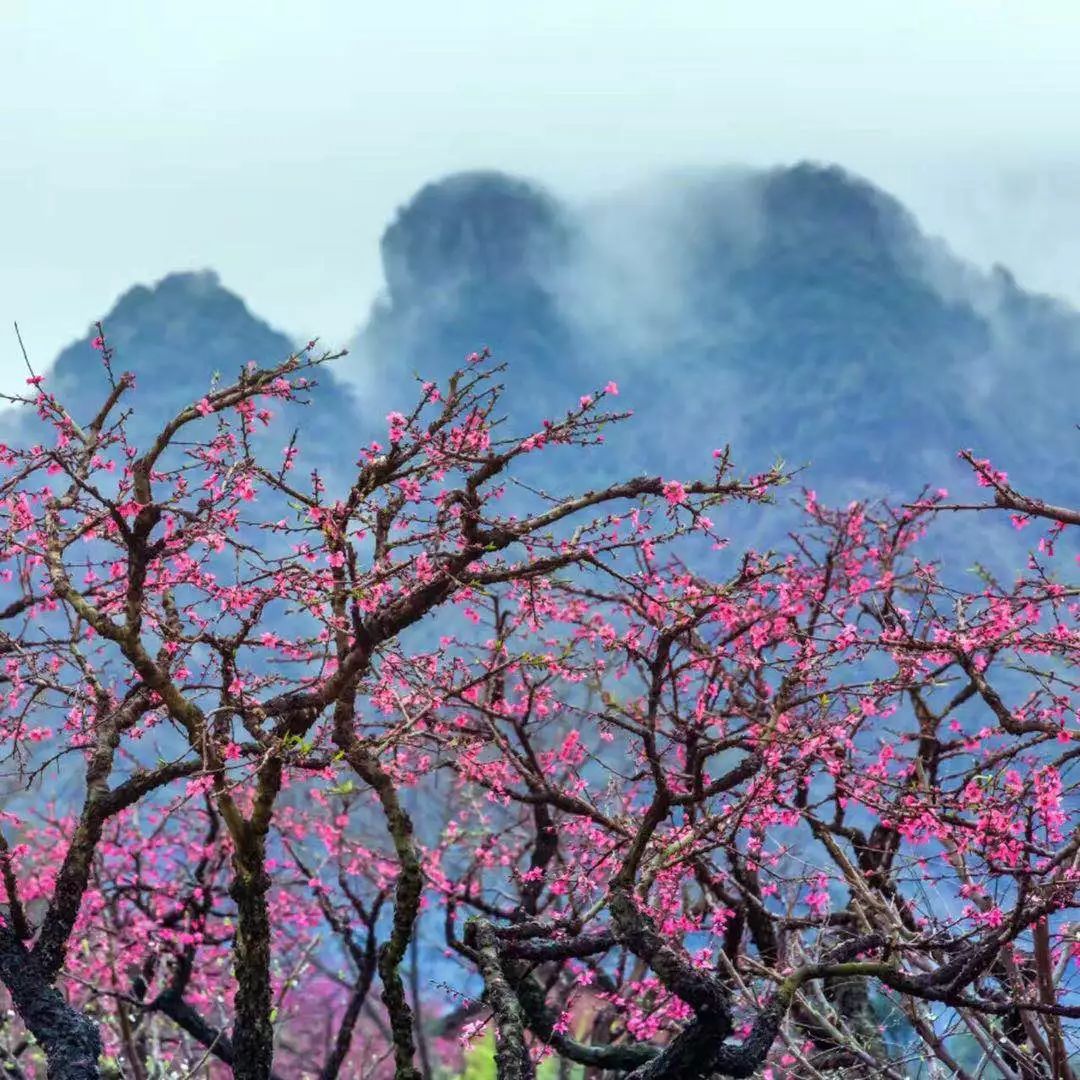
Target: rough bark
[71,1041]
[253,1032]
[512,1060]
[407,891]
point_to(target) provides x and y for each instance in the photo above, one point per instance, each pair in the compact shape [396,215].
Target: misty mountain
[177,337]
[798,313]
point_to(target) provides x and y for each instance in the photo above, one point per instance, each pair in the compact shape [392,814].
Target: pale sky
[273,141]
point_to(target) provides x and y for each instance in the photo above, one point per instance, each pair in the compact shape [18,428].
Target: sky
[273,142]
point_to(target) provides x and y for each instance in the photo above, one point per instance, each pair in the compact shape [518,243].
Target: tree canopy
[321,779]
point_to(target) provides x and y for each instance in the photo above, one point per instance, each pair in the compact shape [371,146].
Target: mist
[140,142]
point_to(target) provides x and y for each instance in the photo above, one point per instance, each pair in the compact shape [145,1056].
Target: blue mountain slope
[467,263]
[176,337]
[798,312]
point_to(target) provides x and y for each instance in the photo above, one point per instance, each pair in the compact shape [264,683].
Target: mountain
[467,263]
[797,311]
[177,337]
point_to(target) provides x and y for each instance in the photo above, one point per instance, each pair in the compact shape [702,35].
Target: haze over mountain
[797,312]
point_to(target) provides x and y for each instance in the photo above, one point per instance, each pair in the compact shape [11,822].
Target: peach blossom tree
[673,808]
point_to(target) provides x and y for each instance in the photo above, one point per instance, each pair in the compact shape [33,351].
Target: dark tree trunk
[70,1039]
[253,1032]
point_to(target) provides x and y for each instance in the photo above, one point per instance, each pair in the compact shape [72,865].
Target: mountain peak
[179,306]
[827,197]
[177,332]
[174,336]
[471,226]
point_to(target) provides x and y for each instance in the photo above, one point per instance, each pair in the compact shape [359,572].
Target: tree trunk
[70,1039]
[253,1032]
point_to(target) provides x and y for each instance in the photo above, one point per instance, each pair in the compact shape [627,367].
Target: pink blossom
[674,492]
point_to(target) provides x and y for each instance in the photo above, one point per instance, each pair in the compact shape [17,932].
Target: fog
[136,140]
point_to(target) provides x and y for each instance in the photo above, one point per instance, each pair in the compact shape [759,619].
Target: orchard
[340,776]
